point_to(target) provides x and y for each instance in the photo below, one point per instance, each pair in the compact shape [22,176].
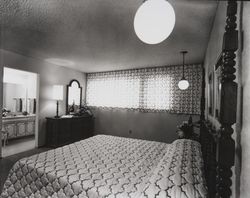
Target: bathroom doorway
[19,113]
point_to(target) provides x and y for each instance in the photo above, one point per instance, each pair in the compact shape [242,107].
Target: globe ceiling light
[154,21]
[183,83]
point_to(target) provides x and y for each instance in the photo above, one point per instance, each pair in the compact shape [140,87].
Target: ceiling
[98,35]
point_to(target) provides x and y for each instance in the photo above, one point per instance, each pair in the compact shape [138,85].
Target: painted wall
[1,100]
[245,134]
[212,54]
[49,75]
[150,126]
[214,47]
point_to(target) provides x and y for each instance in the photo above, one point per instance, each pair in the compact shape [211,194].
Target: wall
[213,51]
[245,134]
[1,99]
[151,126]
[215,46]
[49,75]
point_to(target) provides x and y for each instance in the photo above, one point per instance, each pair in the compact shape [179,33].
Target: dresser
[62,131]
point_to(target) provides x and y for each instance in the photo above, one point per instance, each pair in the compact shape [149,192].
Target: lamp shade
[58,92]
[183,84]
[154,21]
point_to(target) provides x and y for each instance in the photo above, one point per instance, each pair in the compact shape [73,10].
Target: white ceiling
[98,35]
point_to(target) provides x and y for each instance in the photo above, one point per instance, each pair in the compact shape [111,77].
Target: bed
[109,166]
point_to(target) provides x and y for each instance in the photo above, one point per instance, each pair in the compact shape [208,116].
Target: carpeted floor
[18,145]
[7,163]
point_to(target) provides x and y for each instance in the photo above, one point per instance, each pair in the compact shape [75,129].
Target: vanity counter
[11,117]
[19,125]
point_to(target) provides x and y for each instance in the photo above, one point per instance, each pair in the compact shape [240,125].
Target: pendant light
[154,21]
[183,83]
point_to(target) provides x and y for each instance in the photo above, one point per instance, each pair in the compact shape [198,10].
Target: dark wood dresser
[62,131]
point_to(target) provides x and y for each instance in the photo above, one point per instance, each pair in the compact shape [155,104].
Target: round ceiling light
[154,21]
[183,84]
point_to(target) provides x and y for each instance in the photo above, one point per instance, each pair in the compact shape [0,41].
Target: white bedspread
[108,166]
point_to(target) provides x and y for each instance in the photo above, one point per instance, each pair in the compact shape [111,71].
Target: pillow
[179,174]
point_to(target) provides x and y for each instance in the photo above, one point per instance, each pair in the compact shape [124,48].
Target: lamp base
[57,107]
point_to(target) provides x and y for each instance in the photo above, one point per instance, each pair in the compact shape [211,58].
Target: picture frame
[211,94]
[214,89]
[217,87]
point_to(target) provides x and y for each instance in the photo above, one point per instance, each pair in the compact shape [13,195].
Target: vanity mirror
[73,97]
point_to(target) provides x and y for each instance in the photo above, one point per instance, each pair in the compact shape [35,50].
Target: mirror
[74,97]
[14,97]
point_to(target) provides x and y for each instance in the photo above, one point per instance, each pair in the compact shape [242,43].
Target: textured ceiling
[98,35]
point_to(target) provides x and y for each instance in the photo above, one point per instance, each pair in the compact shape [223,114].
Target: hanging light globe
[154,21]
[183,84]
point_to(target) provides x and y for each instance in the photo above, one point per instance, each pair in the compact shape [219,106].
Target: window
[151,89]
[113,91]
[156,92]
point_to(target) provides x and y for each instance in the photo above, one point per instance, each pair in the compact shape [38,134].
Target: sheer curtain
[149,89]
[113,89]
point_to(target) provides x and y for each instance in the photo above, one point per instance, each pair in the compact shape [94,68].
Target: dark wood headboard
[218,147]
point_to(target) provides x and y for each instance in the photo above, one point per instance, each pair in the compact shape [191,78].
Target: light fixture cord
[183,61]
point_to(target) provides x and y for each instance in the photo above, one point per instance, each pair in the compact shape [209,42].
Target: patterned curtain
[148,90]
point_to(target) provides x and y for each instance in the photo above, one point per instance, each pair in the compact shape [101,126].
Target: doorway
[19,113]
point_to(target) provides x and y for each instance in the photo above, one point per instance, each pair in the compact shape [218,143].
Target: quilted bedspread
[108,166]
